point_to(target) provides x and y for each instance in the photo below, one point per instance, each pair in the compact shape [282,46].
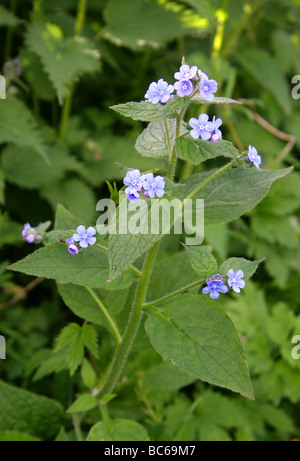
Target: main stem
[124,347]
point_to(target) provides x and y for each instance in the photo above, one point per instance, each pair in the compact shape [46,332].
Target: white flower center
[85,236]
[153,184]
[206,88]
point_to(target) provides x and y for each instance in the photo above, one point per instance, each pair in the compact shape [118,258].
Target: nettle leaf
[231,193]
[125,244]
[71,339]
[197,150]
[25,411]
[64,59]
[153,141]
[248,267]
[89,267]
[139,23]
[18,126]
[199,338]
[26,168]
[197,99]
[118,430]
[74,339]
[146,111]
[7,18]
[202,260]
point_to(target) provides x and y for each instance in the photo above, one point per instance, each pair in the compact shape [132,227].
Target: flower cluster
[189,80]
[30,234]
[216,284]
[205,129]
[83,236]
[147,184]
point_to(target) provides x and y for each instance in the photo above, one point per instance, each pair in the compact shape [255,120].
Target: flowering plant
[184,322]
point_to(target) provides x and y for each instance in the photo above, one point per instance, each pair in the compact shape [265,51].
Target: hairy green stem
[216,173]
[114,327]
[173,157]
[124,347]
[173,294]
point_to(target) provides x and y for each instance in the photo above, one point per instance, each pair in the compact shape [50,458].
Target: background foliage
[59,144]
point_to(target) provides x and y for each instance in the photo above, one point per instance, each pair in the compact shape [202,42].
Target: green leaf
[199,338]
[26,168]
[118,430]
[125,248]
[148,112]
[231,193]
[18,126]
[74,194]
[153,141]
[84,306]
[89,267]
[170,274]
[90,339]
[202,260]
[197,151]
[15,436]
[64,59]
[139,23]
[25,412]
[248,267]
[264,68]
[197,99]
[166,377]
[7,18]
[65,220]
[71,338]
[88,374]
[83,403]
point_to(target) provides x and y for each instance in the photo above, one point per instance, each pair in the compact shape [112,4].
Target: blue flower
[154,186]
[133,197]
[184,88]
[207,87]
[73,249]
[30,235]
[200,127]
[215,286]
[254,157]
[159,92]
[235,280]
[186,72]
[85,236]
[134,181]
[214,127]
